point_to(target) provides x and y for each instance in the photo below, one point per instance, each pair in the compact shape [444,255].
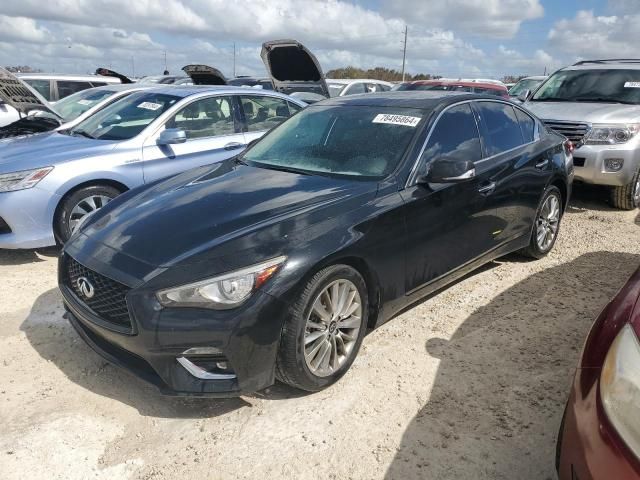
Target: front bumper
[29,215]
[588,446]
[589,163]
[247,337]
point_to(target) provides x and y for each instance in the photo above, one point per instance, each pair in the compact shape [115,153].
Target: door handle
[233,146]
[542,164]
[487,189]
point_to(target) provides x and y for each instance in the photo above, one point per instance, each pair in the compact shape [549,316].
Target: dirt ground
[470,384]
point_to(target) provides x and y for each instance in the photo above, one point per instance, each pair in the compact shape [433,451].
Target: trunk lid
[204,75]
[293,68]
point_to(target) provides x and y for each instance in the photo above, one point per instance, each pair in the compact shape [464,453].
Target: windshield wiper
[550,99]
[280,168]
[82,133]
[603,100]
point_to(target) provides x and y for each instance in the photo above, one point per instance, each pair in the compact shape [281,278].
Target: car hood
[105,72]
[204,75]
[19,95]
[585,112]
[293,68]
[45,149]
[182,219]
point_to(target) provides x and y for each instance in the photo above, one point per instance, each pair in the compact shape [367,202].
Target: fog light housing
[206,363]
[614,164]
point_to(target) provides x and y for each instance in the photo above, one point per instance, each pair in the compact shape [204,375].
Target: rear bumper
[589,448]
[589,163]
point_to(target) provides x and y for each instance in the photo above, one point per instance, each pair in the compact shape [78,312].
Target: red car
[486,87]
[600,433]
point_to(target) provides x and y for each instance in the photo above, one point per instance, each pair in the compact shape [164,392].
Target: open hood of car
[204,75]
[105,72]
[293,68]
[19,95]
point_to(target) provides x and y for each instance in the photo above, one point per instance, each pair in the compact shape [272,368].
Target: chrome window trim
[411,179]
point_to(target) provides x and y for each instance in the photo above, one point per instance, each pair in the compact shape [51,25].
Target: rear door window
[527,125]
[355,88]
[500,127]
[455,136]
[262,113]
[67,87]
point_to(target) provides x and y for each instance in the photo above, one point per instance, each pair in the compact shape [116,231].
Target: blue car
[51,182]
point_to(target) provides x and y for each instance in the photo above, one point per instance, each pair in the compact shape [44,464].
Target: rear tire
[77,206]
[329,317]
[546,225]
[627,197]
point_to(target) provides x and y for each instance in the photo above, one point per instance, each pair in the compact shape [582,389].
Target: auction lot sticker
[150,106]
[405,120]
[632,85]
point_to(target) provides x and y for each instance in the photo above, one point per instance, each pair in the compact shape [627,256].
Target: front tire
[76,207]
[546,225]
[627,197]
[324,330]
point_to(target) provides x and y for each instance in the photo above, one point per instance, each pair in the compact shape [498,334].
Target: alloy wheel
[548,222]
[636,192]
[332,327]
[84,208]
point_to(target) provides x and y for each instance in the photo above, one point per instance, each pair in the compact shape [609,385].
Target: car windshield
[356,141]
[602,85]
[125,118]
[523,85]
[335,89]
[73,106]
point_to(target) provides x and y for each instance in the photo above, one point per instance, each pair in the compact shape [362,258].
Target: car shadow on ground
[503,378]
[56,341]
[590,197]
[21,257]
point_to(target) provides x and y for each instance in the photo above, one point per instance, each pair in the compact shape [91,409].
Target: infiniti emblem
[85,287]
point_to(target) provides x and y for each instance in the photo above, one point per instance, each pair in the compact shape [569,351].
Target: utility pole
[404,51]
[234,59]
[165,60]
[133,67]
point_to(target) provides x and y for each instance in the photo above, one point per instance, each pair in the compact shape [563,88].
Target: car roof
[535,77]
[120,87]
[461,83]
[422,99]
[184,91]
[61,76]
[347,81]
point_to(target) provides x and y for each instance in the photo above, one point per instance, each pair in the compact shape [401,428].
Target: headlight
[611,134]
[620,387]
[222,292]
[10,182]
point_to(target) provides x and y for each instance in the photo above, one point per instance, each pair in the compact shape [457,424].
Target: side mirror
[524,95]
[171,136]
[446,170]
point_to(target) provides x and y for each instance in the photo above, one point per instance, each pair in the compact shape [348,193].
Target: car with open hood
[18,99]
[596,105]
[293,68]
[274,263]
[69,111]
[50,182]
[56,86]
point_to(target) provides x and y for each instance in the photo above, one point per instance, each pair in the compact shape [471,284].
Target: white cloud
[21,29]
[493,18]
[591,36]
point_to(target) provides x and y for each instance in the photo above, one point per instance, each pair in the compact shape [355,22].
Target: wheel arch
[363,268]
[561,185]
[121,187]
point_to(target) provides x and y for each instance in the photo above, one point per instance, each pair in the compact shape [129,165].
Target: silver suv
[596,105]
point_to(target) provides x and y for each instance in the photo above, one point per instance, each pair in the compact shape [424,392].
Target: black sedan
[275,263]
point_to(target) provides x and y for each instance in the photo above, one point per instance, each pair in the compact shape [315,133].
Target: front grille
[108,301]
[573,131]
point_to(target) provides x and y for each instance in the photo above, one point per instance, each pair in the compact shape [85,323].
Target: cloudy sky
[488,38]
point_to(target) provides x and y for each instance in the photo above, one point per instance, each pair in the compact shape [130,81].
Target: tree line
[377,73]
